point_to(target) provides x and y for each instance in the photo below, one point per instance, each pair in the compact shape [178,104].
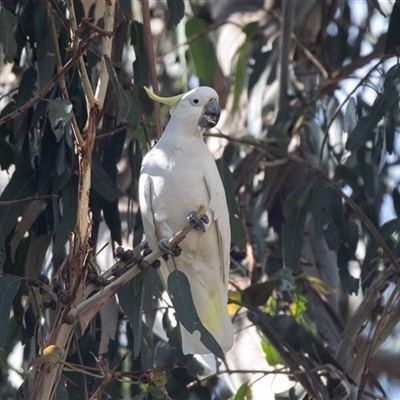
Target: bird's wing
[145,195]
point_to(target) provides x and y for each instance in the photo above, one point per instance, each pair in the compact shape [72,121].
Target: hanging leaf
[182,300]
[103,185]
[20,186]
[177,10]
[202,51]
[280,129]
[396,201]
[292,230]
[261,61]
[2,249]
[243,393]
[128,107]
[324,214]
[20,123]
[297,198]
[141,63]
[272,356]
[60,113]
[8,22]
[241,65]
[364,129]
[69,197]
[32,211]
[46,58]
[350,117]
[238,233]
[9,285]
[258,294]
[392,44]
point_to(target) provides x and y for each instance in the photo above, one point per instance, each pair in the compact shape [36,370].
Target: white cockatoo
[178,175]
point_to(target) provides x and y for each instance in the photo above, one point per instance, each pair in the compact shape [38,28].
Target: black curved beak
[211,114]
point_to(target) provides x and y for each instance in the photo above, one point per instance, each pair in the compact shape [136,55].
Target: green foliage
[392,42]
[243,393]
[9,286]
[8,22]
[181,297]
[202,51]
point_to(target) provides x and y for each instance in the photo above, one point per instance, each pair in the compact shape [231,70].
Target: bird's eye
[196,101]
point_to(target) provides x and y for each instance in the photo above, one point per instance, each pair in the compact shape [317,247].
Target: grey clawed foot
[198,222]
[164,246]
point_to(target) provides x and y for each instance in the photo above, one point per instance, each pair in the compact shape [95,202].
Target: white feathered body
[178,175]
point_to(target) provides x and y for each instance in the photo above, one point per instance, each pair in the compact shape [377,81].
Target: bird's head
[198,108]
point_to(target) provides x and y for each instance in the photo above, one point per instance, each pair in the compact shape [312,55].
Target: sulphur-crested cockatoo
[178,175]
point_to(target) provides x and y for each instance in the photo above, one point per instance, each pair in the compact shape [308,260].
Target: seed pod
[99,281]
[64,297]
[56,286]
[91,278]
[43,278]
[128,254]
[144,265]
[119,252]
[145,378]
[146,252]
[47,302]
[69,320]
[32,282]
[156,264]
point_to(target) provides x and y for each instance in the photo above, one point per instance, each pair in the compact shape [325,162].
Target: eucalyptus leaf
[128,107]
[21,185]
[8,21]
[243,393]
[182,300]
[364,129]
[46,59]
[296,209]
[324,214]
[202,51]
[392,42]
[238,233]
[69,197]
[177,10]
[60,113]
[103,185]
[2,249]
[141,63]
[350,117]
[21,122]
[9,285]
[259,293]
[396,201]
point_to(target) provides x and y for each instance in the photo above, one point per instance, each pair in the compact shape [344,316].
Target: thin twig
[27,199]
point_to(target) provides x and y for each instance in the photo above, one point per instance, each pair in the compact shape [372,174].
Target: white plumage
[178,175]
